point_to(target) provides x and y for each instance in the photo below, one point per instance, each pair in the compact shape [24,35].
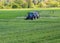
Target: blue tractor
[32,15]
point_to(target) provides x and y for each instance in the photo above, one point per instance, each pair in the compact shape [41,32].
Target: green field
[14,29]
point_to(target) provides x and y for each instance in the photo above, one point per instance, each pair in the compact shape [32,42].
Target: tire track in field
[25,17]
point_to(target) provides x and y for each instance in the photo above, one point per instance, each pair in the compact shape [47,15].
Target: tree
[25,5]
[30,3]
[20,2]
[35,2]
[42,4]
[53,3]
[1,4]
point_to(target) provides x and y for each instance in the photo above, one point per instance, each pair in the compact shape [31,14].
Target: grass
[18,30]
[23,13]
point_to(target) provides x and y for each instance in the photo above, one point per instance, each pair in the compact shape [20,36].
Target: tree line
[12,4]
